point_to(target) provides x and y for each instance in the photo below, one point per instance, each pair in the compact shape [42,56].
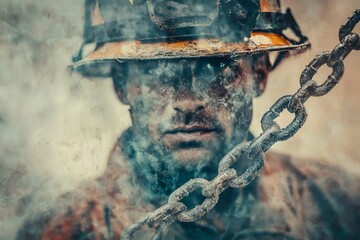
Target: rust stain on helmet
[130,50]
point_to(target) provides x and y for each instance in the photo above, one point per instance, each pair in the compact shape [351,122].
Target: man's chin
[193,157]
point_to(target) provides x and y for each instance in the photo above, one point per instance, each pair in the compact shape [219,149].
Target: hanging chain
[227,177]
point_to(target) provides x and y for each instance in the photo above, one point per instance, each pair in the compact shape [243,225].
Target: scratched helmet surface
[133,30]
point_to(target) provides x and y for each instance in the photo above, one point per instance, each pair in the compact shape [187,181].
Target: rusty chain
[175,210]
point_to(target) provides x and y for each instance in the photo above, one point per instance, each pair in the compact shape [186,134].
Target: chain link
[161,218]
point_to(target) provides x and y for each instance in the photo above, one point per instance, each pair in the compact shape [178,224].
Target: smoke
[57,129]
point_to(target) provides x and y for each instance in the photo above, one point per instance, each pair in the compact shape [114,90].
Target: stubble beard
[169,171]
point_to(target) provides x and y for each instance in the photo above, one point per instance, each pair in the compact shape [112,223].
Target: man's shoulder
[308,169]
[323,197]
[58,220]
[316,182]
[76,212]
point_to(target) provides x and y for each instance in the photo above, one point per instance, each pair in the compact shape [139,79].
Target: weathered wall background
[57,129]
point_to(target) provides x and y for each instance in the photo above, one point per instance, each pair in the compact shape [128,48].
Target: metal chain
[227,177]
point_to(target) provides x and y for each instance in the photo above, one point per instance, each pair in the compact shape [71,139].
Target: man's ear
[119,75]
[261,70]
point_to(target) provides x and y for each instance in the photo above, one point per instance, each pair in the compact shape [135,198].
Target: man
[189,80]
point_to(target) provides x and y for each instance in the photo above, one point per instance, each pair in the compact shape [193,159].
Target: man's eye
[229,75]
[216,65]
[161,91]
[159,83]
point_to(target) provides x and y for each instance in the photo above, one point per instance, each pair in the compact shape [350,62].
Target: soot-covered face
[190,112]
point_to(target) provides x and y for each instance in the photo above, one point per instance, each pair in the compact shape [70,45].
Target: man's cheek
[226,119]
[155,118]
[230,103]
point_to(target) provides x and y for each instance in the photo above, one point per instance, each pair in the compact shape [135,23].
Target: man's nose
[188,103]
[187,99]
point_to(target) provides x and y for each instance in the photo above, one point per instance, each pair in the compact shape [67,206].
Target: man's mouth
[179,136]
[191,130]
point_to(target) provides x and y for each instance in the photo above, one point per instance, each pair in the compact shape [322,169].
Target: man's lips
[178,136]
[192,130]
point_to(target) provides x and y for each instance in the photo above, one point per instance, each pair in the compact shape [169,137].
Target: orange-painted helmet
[132,30]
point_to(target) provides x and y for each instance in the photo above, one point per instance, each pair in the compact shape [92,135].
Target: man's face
[190,112]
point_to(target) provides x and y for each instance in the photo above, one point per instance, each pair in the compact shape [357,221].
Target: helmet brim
[98,63]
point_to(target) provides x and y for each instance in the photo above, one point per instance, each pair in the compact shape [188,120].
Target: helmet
[133,30]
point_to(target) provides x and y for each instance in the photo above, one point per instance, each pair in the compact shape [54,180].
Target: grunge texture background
[56,128]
